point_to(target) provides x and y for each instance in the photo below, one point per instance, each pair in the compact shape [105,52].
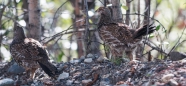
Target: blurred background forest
[64,25]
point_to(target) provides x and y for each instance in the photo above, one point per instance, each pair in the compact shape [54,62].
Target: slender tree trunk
[78,16]
[147,12]
[34,30]
[128,12]
[140,47]
[138,13]
[116,11]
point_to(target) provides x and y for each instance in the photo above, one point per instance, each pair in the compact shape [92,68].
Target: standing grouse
[118,36]
[30,54]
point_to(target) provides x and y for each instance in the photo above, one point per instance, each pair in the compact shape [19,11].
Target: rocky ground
[97,71]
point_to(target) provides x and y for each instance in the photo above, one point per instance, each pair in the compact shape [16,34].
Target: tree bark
[128,12]
[34,30]
[78,16]
[147,12]
[116,11]
[138,13]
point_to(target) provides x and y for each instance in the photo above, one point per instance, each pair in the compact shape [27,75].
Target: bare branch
[155,48]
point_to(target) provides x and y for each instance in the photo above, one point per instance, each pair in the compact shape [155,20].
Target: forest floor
[97,71]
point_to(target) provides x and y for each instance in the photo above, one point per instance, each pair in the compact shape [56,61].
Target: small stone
[86,81]
[82,57]
[7,82]
[88,60]
[76,82]
[123,85]
[173,82]
[166,78]
[16,69]
[75,61]
[69,82]
[101,59]
[64,75]
[71,61]
[175,56]
[90,55]
[104,83]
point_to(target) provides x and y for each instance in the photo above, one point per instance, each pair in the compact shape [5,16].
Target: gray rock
[90,55]
[173,82]
[64,75]
[123,85]
[82,57]
[7,82]
[166,78]
[69,82]
[103,83]
[86,81]
[16,69]
[88,60]
[175,56]
[101,59]
[77,82]
[75,61]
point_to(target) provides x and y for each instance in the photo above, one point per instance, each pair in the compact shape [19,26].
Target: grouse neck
[105,19]
[19,37]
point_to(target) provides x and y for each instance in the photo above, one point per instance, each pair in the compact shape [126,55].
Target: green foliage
[151,35]
[125,7]
[6,32]
[158,1]
[158,27]
[116,60]
[60,56]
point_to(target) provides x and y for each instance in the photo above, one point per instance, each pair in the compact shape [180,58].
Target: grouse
[30,54]
[118,36]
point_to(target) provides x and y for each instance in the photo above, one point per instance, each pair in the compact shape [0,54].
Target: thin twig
[155,48]
[58,10]
[178,42]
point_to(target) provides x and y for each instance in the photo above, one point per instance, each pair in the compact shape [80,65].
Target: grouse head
[18,33]
[105,15]
[105,11]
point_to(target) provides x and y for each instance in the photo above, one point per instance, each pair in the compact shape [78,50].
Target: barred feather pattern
[30,54]
[118,36]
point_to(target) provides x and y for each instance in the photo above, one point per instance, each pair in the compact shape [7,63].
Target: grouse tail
[49,68]
[143,31]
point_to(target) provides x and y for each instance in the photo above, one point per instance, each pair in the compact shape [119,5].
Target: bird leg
[32,75]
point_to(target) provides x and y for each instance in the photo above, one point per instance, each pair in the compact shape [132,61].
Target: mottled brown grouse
[118,36]
[30,54]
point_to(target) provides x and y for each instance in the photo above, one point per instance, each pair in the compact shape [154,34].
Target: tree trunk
[138,13]
[78,16]
[128,12]
[140,47]
[25,10]
[34,30]
[116,11]
[147,12]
